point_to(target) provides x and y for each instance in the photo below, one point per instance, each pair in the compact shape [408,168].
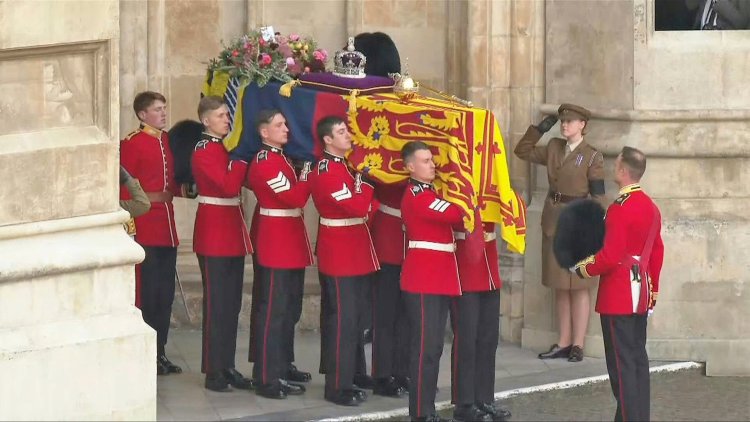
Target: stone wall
[693,126]
[73,345]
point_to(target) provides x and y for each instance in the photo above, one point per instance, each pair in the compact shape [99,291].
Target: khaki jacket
[580,174]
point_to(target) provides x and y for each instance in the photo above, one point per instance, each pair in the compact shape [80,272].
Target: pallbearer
[429,276]
[346,258]
[221,242]
[282,253]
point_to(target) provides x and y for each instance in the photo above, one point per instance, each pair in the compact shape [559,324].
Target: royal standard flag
[468,148]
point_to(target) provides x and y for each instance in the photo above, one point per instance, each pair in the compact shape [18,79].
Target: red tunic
[146,155]
[387,229]
[346,250]
[627,224]
[482,275]
[220,228]
[280,238]
[428,218]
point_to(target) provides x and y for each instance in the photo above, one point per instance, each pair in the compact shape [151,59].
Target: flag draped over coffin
[472,169]
[467,147]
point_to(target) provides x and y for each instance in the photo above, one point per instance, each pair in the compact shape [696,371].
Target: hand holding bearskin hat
[580,232]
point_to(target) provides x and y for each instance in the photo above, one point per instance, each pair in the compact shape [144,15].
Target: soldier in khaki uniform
[575,170]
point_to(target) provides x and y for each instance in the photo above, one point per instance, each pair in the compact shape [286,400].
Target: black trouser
[157,273]
[341,333]
[475,318]
[296,291]
[627,364]
[277,290]
[222,300]
[428,315]
[390,325]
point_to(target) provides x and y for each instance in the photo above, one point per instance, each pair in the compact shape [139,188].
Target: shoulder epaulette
[131,134]
[622,198]
[201,144]
[323,166]
[262,156]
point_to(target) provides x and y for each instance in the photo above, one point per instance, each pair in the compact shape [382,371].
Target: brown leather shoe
[555,352]
[576,354]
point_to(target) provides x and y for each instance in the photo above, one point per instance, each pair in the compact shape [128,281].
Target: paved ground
[182,397]
[675,396]
[687,395]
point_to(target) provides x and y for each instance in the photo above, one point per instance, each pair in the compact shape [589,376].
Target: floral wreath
[259,58]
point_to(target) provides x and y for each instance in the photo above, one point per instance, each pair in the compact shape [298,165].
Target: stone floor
[182,397]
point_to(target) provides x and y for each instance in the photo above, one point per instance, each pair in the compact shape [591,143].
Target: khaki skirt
[556,277]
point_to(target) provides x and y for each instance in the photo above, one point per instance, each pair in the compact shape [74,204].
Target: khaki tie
[567,151]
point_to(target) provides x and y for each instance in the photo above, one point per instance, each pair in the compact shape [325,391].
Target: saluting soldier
[282,253]
[145,154]
[346,259]
[429,276]
[475,317]
[575,170]
[221,242]
[629,263]
[390,325]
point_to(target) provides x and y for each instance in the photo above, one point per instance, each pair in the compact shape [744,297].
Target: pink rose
[294,37]
[318,55]
[265,59]
[289,61]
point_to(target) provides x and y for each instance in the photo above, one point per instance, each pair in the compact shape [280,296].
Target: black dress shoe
[292,389]
[498,414]
[295,375]
[217,383]
[555,352]
[160,368]
[342,398]
[237,380]
[576,354]
[388,387]
[359,394]
[403,381]
[171,367]
[364,381]
[273,390]
[469,412]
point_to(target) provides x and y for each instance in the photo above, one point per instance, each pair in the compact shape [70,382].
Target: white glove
[650,312]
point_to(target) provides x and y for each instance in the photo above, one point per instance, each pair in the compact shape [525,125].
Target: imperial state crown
[349,63]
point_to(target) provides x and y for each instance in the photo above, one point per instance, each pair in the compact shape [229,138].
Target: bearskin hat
[380,51]
[183,137]
[579,233]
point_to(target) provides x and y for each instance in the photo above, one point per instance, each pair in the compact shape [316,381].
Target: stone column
[73,345]
[693,127]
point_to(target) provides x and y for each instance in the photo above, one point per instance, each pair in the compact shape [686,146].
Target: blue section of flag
[299,111]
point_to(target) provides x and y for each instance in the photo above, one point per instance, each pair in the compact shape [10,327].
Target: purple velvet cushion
[340,85]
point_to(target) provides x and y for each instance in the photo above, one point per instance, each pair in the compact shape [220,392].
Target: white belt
[385,209]
[290,212]
[227,202]
[434,246]
[341,222]
[488,236]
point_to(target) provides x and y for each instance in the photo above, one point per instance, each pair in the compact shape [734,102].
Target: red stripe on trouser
[207,326]
[617,364]
[454,384]
[138,286]
[374,332]
[338,330]
[421,357]
[265,329]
